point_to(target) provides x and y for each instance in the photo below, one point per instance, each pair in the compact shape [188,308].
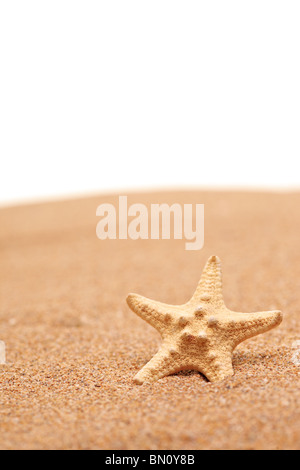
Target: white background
[104,95]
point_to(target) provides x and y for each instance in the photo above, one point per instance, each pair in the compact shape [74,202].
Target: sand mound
[73,346]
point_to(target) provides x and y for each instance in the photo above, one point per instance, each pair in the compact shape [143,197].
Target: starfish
[201,334]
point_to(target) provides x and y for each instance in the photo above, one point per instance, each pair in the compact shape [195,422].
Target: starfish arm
[155,313]
[161,365]
[210,284]
[243,326]
[219,369]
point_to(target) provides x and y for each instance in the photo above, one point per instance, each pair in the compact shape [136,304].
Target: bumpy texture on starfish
[201,334]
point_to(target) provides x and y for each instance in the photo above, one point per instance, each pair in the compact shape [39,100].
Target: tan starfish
[201,334]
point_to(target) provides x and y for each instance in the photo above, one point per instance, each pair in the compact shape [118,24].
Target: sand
[73,346]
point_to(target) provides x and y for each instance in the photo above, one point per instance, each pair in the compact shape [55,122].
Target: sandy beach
[73,346]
